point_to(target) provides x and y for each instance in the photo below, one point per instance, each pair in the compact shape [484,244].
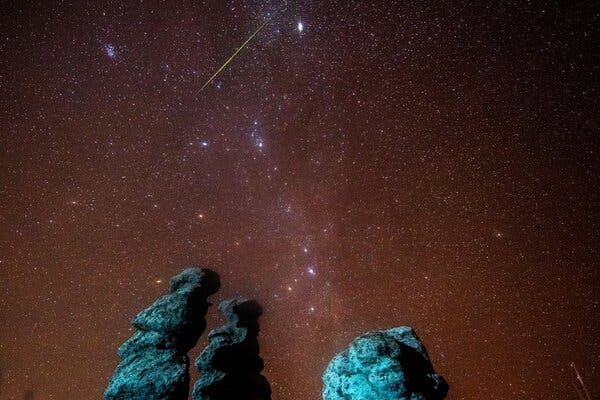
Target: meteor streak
[581,389]
[231,58]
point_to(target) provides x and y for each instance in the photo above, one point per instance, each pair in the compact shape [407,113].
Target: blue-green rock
[383,365]
[154,363]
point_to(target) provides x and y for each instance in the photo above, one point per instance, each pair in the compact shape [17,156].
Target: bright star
[110,51]
[300,26]
[257,139]
[311,271]
[204,144]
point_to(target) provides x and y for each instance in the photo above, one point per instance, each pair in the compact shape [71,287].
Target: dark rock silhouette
[383,365]
[230,366]
[154,363]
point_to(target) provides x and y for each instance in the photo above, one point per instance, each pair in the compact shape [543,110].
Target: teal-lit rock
[154,363]
[383,365]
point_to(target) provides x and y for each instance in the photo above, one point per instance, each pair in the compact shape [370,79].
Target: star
[257,138]
[110,51]
[300,26]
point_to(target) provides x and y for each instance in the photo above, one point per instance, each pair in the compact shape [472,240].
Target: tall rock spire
[154,362]
[230,366]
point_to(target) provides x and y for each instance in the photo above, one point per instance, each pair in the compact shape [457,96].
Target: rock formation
[230,365]
[383,365]
[154,363]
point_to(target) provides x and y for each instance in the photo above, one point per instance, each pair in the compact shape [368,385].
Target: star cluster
[359,165]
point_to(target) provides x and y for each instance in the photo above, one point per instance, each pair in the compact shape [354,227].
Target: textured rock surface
[383,365]
[154,363]
[230,365]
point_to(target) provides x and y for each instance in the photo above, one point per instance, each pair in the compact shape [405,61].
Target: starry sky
[358,165]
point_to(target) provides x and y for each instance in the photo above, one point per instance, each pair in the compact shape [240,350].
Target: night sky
[358,165]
